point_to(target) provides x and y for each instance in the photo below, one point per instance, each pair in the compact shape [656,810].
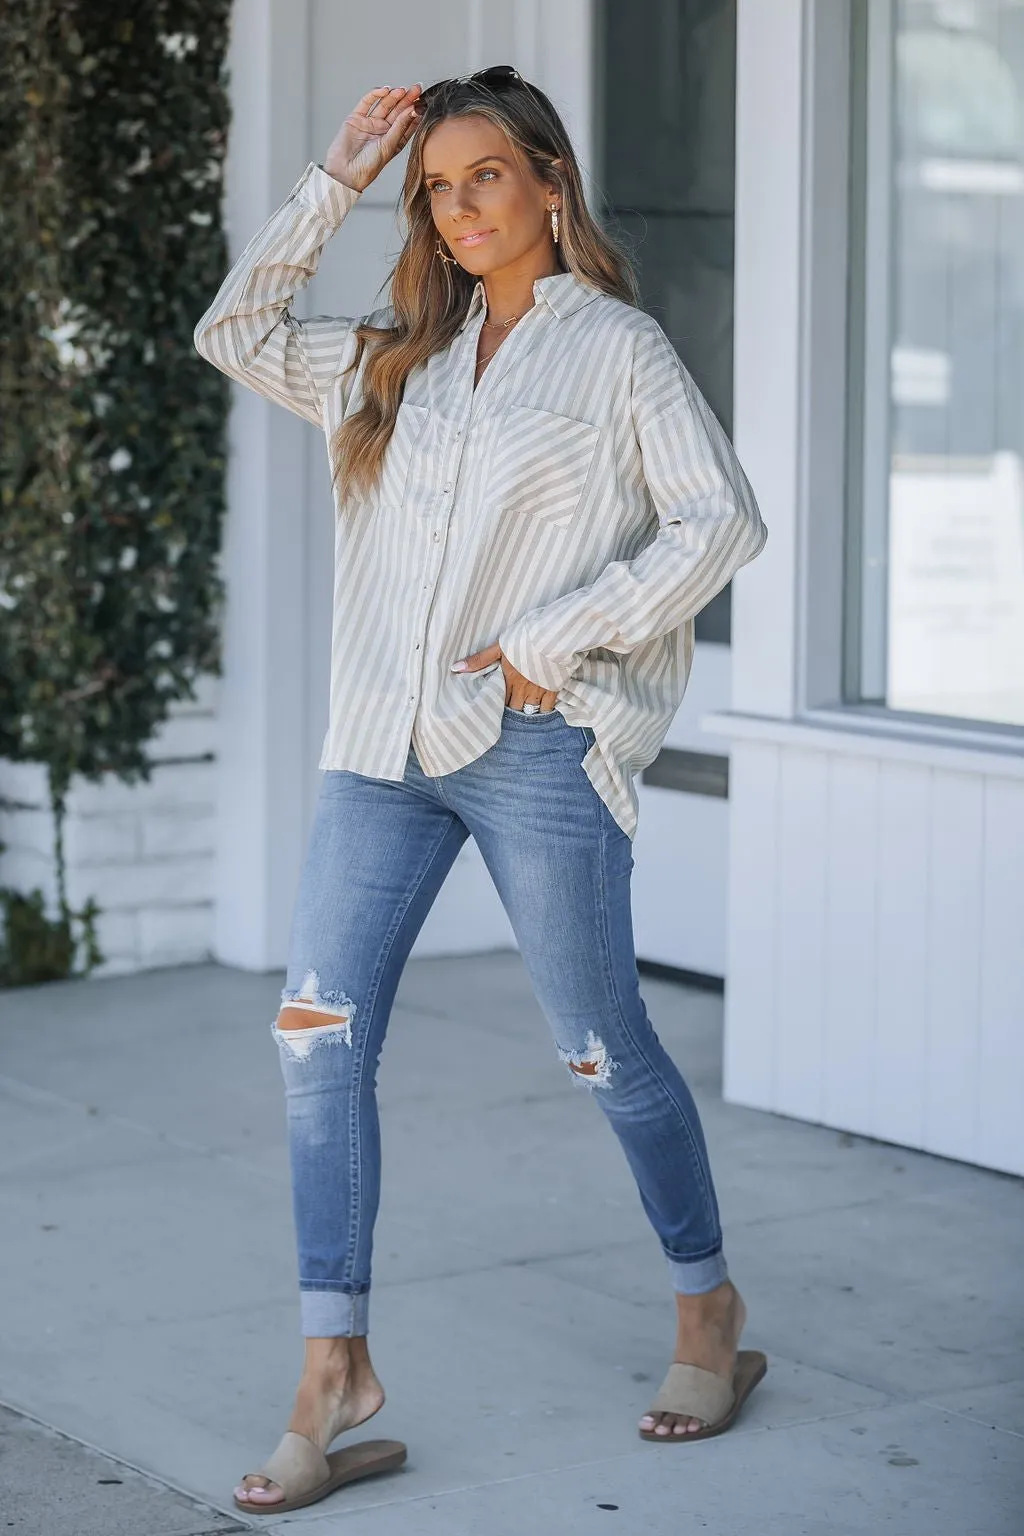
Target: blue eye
[437,185]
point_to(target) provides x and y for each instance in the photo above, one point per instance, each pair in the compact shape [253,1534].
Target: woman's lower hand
[518,689]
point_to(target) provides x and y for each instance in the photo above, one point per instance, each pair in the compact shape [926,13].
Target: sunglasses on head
[500,77]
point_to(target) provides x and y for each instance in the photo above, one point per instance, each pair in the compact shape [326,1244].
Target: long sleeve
[249,331]
[708,527]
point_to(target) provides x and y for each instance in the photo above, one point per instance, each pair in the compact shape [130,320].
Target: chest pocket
[541,464]
[406,443]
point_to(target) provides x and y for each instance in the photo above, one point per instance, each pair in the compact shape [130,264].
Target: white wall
[681,846]
[144,852]
[875,974]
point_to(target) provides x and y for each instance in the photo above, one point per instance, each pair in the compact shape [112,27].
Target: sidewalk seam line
[133,1466]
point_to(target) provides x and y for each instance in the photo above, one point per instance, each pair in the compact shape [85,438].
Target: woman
[533,502]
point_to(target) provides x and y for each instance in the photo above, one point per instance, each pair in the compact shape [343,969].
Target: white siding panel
[954,965]
[749,1068]
[708,689]
[801,897]
[679,883]
[1001,1050]
[849,1017]
[903,816]
[875,977]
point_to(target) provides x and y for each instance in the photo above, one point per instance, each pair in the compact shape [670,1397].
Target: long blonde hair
[430,297]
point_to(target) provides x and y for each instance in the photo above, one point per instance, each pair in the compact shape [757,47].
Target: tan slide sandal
[697,1394]
[305,1475]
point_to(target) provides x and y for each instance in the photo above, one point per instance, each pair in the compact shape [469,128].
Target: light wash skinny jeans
[378,855]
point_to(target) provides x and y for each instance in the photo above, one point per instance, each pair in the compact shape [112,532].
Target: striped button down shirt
[579,506]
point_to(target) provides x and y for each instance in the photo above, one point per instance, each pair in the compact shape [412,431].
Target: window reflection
[954,598]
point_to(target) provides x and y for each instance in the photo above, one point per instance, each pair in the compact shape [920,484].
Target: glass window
[666,108]
[935,605]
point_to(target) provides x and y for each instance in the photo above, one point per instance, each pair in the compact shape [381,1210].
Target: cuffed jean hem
[334,1314]
[700,1275]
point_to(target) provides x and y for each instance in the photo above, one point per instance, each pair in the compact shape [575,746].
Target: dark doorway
[666,107]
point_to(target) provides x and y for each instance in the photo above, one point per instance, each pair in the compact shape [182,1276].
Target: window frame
[822,528]
[869,267]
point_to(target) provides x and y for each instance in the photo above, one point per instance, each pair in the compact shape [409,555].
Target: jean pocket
[545,717]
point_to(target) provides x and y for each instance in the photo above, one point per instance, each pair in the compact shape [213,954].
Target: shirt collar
[560,291]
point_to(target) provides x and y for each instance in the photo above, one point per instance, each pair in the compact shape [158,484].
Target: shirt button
[447,487]
[437,538]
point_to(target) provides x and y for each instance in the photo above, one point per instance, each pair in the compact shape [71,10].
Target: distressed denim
[378,855]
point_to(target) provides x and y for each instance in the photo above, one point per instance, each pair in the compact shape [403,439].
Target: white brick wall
[145,852]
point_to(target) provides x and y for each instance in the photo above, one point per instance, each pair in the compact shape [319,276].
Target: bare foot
[338,1390]
[708,1335]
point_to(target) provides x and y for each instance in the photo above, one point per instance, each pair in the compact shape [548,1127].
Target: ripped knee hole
[309,1019]
[301,1015]
[593,1064]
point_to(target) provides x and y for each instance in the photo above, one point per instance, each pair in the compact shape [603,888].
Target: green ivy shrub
[113,129]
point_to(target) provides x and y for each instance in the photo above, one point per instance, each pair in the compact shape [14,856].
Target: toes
[262,1492]
[688,1426]
[667,1424]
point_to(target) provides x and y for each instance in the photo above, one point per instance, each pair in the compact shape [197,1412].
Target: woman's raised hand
[381,124]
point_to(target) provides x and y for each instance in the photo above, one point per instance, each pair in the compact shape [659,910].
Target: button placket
[437,538]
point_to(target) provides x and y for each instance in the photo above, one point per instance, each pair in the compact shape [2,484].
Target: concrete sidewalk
[521,1318]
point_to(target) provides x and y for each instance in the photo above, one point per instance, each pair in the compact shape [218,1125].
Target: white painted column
[261,746]
[767,373]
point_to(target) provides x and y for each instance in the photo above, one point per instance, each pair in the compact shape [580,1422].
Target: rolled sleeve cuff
[319,192]
[545,671]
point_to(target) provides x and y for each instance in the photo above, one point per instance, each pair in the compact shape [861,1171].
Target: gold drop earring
[446,262]
[554,223]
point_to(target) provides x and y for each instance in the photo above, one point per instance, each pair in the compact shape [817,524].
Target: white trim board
[877,739]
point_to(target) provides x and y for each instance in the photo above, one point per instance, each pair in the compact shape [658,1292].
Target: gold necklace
[483,360]
[501,325]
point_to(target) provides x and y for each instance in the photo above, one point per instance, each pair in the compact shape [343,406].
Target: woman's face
[488,208]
